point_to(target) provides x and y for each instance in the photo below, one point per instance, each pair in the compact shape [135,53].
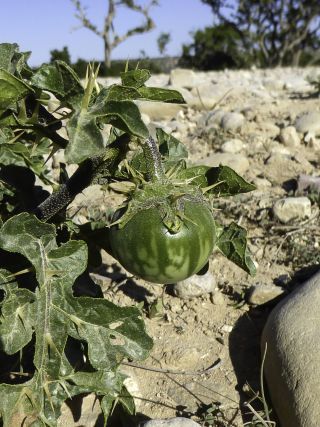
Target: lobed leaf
[170,147]
[135,78]
[232,242]
[161,94]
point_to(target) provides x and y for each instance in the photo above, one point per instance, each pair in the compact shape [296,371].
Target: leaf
[59,79]
[117,93]
[12,90]
[135,78]
[170,147]
[123,115]
[7,51]
[224,180]
[232,242]
[85,138]
[111,332]
[16,325]
[160,94]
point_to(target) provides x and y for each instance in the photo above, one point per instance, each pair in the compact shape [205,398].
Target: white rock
[292,208]
[232,121]
[289,136]
[308,122]
[171,422]
[195,286]
[181,77]
[159,110]
[237,162]
[232,146]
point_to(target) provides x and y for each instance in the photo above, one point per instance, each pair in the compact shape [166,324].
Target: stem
[153,161]
[86,174]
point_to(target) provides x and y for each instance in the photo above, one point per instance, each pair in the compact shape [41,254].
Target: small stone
[308,122]
[217,298]
[226,328]
[292,208]
[195,286]
[262,293]
[308,183]
[289,137]
[212,119]
[232,121]
[171,422]
[237,162]
[232,146]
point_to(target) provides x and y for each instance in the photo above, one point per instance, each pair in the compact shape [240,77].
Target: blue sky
[43,25]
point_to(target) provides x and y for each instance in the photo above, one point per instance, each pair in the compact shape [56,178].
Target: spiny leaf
[117,93]
[223,180]
[59,79]
[170,147]
[85,138]
[232,242]
[12,90]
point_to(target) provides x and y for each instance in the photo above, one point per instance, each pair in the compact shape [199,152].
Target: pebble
[292,208]
[308,122]
[171,422]
[237,162]
[232,121]
[195,286]
[308,183]
[292,361]
[217,298]
[87,409]
[232,146]
[262,293]
[289,136]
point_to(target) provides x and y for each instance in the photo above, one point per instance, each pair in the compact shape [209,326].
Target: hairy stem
[86,174]
[153,161]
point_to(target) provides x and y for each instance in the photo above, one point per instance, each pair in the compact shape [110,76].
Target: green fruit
[147,248]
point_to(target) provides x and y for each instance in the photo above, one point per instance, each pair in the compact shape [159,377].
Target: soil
[221,331]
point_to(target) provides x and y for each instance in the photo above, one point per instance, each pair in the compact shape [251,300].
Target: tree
[162,41]
[107,34]
[62,55]
[277,31]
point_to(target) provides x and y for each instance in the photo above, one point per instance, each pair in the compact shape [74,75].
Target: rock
[263,293]
[195,286]
[289,137]
[292,362]
[308,122]
[273,84]
[232,146]
[217,298]
[232,121]
[88,407]
[210,119]
[159,110]
[308,183]
[292,208]
[238,162]
[180,77]
[171,422]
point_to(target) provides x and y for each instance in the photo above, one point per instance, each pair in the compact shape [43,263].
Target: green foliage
[60,55]
[163,40]
[215,48]
[58,340]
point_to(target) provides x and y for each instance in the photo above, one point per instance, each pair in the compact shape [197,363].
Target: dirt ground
[219,333]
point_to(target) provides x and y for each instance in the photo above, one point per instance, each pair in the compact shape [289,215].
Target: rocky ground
[206,360]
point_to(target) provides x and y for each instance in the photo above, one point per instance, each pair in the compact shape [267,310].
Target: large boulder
[292,363]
